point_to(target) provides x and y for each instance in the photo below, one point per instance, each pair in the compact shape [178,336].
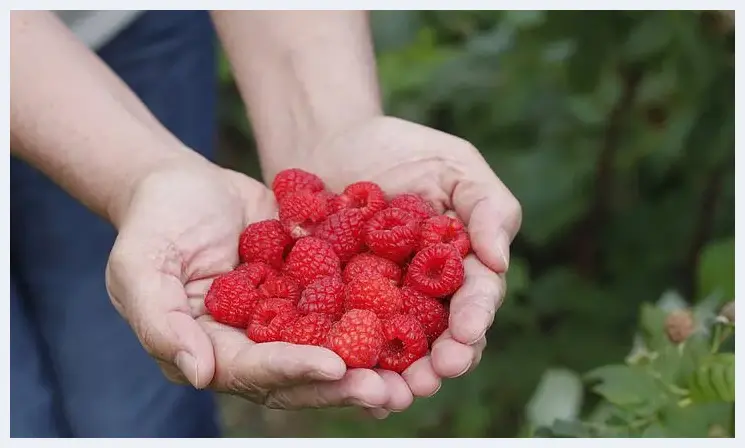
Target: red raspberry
[310,259]
[256,273]
[436,271]
[367,197]
[392,234]
[444,229]
[405,342]
[294,180]
[269,318]
[264,241]
[301,212]
[370,263]
[375,293]
[343,230]
[414,204]
[325,296]
[231,299]
[431,313]
[357,338]
[311,329]
[279,286]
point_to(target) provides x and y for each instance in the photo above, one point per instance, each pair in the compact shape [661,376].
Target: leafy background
[615,130]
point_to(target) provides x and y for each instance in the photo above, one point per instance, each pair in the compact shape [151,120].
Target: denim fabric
[77,369]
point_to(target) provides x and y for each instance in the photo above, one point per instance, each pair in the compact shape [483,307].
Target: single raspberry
[367,197]
[343,230]
[301,212]
[405,342]
[357,338]
[432,314]
[294,180]
[269,318]
[414,204]
[444,229]
[436,271]
[392,234]
[264,241]
[679,325]
[278,286]
[256,273]
[325,296]
[375,293]
[310,259]
[370,263]
[311,329]
[231,299]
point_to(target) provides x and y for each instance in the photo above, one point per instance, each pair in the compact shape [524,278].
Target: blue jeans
[76,367]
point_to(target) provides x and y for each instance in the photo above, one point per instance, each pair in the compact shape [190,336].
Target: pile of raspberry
[366,277]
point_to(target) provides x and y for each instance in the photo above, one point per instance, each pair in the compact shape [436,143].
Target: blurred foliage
[615,130]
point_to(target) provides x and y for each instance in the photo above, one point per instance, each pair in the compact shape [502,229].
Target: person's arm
[74,120]
[304,75]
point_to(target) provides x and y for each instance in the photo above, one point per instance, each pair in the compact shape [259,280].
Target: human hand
[405,157]
[178,232]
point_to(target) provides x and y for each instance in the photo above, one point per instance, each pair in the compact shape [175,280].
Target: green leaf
[626,386]
[714,380]
[654,430]
[647,39]
[652,327]
[557,397]
[716,270]
[569,429]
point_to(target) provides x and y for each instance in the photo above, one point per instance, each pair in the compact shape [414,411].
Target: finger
[478,352]
[359,387]
[278,364]
[493,216]
[155,305]
[474,305]
[451,359]
[421,378]
[399,394]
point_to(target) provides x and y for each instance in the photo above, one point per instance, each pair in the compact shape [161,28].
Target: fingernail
[503,244]
[436,390]
[379,413]
[188,365]
[468,366]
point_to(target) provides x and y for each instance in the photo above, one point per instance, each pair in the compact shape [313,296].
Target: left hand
[401,157]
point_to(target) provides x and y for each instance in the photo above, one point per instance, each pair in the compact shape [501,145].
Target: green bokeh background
[614,129]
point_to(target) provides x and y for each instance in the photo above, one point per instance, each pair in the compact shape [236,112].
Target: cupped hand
[179,231]
[402,157]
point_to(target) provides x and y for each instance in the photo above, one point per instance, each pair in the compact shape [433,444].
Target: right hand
[179,231]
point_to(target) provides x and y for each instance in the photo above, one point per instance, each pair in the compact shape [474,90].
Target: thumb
[156,307]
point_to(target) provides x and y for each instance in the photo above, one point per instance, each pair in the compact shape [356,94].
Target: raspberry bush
[366,276]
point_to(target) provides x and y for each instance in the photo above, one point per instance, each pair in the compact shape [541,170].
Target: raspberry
[392,234]
[301,212]
[367,197]
[310,259]
[231,299]
[370,263]
[294,180]
[375,293]
[279,286]
[405,342]
[311,329]
[325,296]
[430,312]
[269,318]
[357,338]
[264,241]
[343,230]
[414,204]
[436,271]
[679,325]
[444,229]
[256,273]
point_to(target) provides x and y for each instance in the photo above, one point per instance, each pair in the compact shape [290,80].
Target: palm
[404,157]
